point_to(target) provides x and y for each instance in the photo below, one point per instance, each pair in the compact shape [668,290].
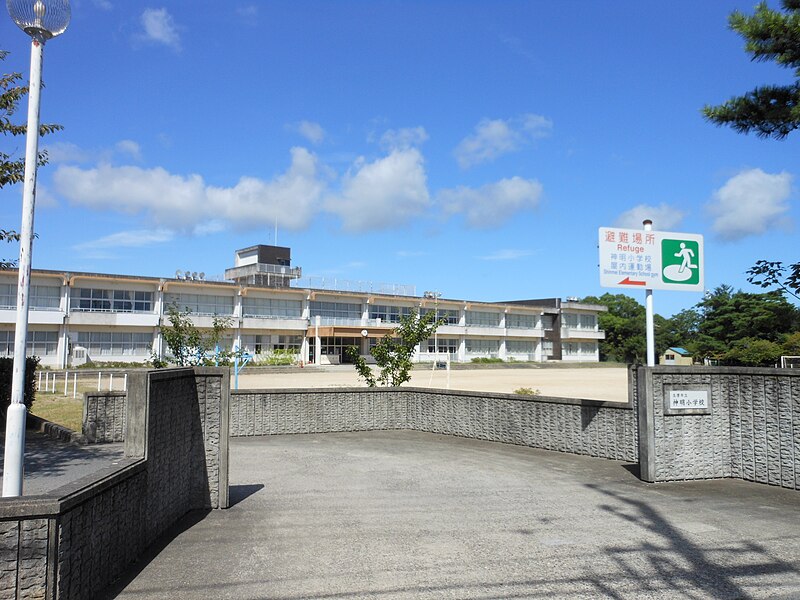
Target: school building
[101,317]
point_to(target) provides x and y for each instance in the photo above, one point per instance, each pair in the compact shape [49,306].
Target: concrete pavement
[50,464]
[403,514]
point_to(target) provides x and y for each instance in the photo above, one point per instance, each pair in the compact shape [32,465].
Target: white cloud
[103,4]
[187,203]
[382,194]
[311,131]
[750,203]
[493,138]
[663,216]
[61,152]
[130,148]
[67,152]
[104,247]
[159,27]
[492,204]
[402,139]
[129,239]
[507,254]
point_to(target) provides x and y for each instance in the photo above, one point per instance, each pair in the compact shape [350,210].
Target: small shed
[676,356]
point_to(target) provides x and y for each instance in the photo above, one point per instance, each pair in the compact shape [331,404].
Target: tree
[12,164]
[771,111]
[190,346]
[394,351]
[769,274]
[729,316]
[752,352]
[624,324]
[680,330]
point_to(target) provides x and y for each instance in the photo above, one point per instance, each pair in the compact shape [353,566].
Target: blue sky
[472,148]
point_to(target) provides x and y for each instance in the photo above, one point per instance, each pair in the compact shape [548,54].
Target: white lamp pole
[42,20]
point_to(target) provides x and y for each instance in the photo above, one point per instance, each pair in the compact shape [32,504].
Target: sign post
[653,260]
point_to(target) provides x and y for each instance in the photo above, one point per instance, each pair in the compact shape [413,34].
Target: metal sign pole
[649,322]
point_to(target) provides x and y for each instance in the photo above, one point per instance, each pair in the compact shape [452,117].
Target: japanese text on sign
[689,399]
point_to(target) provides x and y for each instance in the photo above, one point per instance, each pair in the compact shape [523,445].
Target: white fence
[73,383]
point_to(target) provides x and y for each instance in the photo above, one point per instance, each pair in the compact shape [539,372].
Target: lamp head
[40,18]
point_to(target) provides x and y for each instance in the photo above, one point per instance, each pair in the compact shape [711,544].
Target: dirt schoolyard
[601,383]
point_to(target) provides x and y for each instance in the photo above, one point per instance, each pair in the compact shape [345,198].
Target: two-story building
[118,317]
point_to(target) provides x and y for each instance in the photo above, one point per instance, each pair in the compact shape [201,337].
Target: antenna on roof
[178,274]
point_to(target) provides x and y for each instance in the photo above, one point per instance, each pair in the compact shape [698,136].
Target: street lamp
[42,20]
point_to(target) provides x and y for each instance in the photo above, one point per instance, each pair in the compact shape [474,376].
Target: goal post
[790,362]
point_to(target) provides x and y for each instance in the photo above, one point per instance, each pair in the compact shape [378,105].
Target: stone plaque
[687,400]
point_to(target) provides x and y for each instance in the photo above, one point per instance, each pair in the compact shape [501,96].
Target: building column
[63,346]
[317,341]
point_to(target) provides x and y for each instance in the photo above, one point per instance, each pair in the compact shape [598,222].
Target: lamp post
[42,20]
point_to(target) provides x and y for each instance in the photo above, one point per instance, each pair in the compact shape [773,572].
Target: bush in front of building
[486,360]
[6,376]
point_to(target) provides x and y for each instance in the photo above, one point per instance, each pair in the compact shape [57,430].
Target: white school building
[118,317]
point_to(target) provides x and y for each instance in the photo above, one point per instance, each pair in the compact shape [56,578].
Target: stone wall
[593,428]
[750,431]
[77,540]
[104,417]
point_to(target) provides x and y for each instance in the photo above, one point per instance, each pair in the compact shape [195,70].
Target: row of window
[584,349]
[99,300]
[272,307]
[42,297]
[106,300]
[263,344]
[579,321]
[39,343]
[117,343]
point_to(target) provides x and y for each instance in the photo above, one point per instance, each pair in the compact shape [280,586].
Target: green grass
[58,409]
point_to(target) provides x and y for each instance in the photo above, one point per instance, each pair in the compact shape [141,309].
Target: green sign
[680,261]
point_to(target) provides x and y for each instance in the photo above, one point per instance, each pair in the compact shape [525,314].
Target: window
[482,347]
[117,343]
[272,308]
[483,319]
[520,347]
[288,342]
[388,314]
[202,304]
[514,321]
[336,310]
[579,321]
[42,297]
[579,349]
[547,322]
[39,343]
[547,348]
[450,317]
[99,300]
[449,346]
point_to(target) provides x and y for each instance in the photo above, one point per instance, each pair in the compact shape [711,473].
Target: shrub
[6,376]
[525,391]
[483,360]
[279,357]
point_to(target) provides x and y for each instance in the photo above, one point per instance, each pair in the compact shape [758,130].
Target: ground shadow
[237,493]
[191,519]
[46,457]
[682,564]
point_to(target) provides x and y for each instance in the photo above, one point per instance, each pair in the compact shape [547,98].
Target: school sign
[653,260]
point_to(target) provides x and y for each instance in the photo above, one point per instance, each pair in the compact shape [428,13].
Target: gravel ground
[597,384]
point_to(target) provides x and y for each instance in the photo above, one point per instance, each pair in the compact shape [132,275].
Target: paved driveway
[394,515]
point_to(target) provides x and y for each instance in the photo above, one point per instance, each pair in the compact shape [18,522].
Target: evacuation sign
[655,260]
